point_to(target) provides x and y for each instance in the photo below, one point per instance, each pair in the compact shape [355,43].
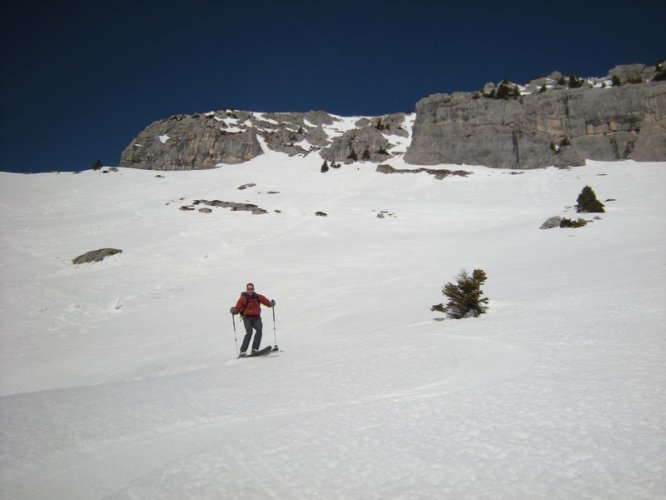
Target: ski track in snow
[119,379]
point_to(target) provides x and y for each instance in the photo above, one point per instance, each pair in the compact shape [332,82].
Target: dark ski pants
[251,323]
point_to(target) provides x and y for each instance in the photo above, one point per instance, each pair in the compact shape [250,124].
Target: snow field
[119,379]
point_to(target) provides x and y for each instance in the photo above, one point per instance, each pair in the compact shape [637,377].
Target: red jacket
[250,305]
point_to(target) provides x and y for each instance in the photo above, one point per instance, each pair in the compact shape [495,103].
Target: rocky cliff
[189,142]
[556,120]
[559,121]
[200,141]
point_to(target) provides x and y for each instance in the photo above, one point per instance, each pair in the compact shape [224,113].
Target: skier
[249,307]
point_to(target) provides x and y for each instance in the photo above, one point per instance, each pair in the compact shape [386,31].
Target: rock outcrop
[200,141]
[439,173]
[558,120]
[365,143]
[192,142]
[558,125]
[294,133]
[95,255]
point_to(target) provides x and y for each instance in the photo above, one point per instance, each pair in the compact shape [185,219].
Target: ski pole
[233,320]
[275,347]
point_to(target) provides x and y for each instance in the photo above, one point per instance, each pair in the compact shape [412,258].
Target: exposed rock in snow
[95,255]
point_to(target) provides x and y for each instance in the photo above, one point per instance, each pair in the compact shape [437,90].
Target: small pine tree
[660,75]
[588,202]
[324,167]
[575,82]
[366,154]
[465,297]
[507,91]
[97,165]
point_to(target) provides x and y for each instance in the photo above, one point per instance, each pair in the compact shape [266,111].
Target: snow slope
[119,379]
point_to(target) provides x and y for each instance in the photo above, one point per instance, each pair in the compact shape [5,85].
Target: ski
[260,352]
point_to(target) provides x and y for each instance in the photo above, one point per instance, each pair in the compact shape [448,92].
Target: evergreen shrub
[572,223]
[660,76]
[465,298]
[507,91]
[575,82]
[588,202]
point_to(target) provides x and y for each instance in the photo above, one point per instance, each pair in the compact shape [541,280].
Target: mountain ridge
[558,120]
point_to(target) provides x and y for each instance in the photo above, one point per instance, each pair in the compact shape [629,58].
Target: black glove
[232,310]
[272,303]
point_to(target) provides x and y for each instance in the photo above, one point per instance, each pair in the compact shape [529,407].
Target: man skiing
[249,307]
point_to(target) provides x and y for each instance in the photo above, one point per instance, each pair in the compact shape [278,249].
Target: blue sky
[79,79]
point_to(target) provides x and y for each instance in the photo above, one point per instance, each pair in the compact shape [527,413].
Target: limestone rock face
[366,143]
[559,120]
[200,141]
[294,133]
[191,142]
[560,127]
